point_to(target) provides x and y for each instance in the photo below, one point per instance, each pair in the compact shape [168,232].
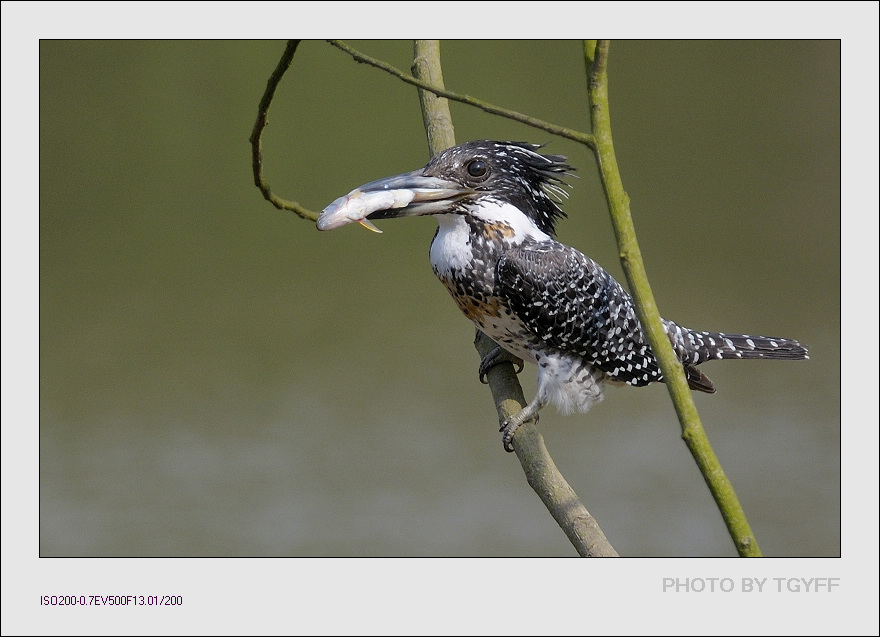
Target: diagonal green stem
[631,258]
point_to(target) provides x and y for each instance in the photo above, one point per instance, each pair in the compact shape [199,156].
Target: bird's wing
[571,303]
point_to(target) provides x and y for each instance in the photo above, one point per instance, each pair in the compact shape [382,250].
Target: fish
[407,195]
[357,205]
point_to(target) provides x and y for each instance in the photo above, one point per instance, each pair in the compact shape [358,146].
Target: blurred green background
[218,378]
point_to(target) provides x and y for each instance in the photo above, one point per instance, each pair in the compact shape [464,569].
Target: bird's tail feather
[693,347]
[744,346]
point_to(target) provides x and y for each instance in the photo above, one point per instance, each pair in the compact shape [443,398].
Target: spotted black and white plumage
[495,250]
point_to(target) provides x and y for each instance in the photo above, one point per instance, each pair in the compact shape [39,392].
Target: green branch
[631,258]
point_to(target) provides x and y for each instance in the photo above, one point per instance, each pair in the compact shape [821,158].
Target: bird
[495,250]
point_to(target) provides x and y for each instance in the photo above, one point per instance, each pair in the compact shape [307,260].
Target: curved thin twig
[257,137]
[284,63]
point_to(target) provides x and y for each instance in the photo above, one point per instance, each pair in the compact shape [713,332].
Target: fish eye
[477,168]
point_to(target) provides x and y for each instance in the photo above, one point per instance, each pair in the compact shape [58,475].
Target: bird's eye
[477,168]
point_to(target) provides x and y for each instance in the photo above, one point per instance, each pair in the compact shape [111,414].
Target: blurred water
[217,378]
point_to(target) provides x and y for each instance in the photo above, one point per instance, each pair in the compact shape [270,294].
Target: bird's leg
[514,422]
[496,356]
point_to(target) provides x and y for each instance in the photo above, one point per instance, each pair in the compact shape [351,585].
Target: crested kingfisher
[497,204]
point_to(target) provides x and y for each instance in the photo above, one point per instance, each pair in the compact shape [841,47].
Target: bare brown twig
[257,137]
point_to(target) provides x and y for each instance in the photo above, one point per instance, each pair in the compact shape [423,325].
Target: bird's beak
[406,195]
